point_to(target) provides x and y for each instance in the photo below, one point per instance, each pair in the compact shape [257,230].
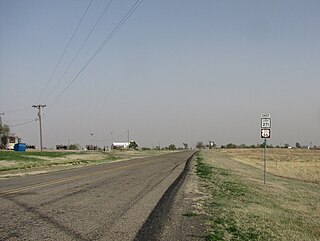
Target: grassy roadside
[31,160]
[26,160]
[241,207]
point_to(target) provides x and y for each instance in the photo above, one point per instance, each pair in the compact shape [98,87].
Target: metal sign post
[265,161]
[265,133]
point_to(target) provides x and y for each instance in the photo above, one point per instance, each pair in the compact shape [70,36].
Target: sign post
[265,161]
[265,133]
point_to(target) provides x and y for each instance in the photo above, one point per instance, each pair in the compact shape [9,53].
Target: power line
[24,123]
[81,47]
[65,50]
[16,110]
[13,125]
[113,32]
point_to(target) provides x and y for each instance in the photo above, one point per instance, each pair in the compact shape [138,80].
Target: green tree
[200,145]
[185,145]
[231,145]
[4,133]
[74,147]
[243,146]
[157,148]
[133,145]
[172,147]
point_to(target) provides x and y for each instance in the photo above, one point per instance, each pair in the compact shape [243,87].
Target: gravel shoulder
[186,220]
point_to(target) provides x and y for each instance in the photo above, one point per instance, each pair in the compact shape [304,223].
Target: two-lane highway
[103,202]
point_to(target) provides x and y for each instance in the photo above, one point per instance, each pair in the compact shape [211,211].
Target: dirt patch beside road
[186,220]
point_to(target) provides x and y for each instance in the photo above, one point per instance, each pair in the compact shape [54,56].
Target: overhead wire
[102,45]
[81,47]
[54,70]
[64,51]
[16,110]
[24,123]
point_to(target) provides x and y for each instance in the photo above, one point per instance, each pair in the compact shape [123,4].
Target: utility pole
[128,137]
[1,130]
[91,138]
[1,118]
[39,115]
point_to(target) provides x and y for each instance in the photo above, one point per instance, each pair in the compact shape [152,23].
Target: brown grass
[299,164]
[241,207]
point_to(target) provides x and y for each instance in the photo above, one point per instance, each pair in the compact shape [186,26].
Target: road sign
[265,133]
[265,123]
[265,115]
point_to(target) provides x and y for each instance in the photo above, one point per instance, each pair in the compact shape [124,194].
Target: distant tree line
[231,145]
[69,147]
[201,145]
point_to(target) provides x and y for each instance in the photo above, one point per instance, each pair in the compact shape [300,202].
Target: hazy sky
[177,71]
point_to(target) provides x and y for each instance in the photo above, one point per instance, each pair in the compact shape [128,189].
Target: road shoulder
[186,220]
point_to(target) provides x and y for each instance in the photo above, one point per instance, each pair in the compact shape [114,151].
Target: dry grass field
[300,164]
[240,206]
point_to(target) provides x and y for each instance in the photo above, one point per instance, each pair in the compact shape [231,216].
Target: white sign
[265,115]
[265,133]
[266,123]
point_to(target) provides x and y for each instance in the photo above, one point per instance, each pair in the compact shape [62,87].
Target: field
[33,162]
[240,207]
[300,164]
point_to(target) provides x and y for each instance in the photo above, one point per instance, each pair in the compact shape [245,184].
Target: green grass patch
[32,155]
[190,214]
[10,160]
[203,170]
[240,207]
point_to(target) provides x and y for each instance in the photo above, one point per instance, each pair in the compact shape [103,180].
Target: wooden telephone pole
[39,115]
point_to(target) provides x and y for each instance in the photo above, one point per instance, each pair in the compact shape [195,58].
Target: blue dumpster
[20,147]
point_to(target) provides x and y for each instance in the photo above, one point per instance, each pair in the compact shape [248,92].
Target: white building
[120,145]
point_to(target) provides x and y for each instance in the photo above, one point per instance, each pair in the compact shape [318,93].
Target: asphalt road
[103,202]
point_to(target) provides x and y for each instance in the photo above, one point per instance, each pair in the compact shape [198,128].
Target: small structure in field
[120,145]
[11,141]
[91,148]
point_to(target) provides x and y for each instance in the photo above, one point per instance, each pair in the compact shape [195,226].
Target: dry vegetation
[240,207]
[300,164]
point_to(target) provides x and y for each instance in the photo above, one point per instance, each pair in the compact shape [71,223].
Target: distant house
[11,141]
[120,145]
